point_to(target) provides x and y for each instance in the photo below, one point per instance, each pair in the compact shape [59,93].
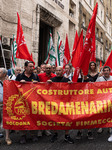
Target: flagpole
[3,53]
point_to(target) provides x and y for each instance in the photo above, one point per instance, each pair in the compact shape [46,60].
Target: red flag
[75,42]
[109,61]
[66,53]
[32,59]
[31,56]
[22,50]
[77,57]
[93,58]
[100,67]
[88,42]
[93,50]
[100,63]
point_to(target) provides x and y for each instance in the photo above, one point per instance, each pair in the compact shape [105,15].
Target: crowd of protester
[48,73]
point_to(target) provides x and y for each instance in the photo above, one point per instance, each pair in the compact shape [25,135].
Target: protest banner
[57,106]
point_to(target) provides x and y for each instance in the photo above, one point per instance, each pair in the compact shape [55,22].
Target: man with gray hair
[3,76]
[17,70]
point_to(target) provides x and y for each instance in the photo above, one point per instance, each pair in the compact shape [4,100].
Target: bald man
[47,75]
[60,78]
[17,71]
[43,78]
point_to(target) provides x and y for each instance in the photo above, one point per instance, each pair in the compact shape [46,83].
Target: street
[98,143]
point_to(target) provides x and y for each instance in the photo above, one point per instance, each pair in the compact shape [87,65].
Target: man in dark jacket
[60,78]
[28,76]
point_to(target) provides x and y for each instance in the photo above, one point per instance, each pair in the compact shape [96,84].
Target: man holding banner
[43,78]
[60,78]
[28,76]
[3,76]
[106,77]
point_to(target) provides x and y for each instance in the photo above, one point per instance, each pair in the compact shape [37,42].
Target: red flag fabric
[31,56]
[100,63]
[100,67]
[22,50]
[32,59]
[75,42]
[88,42]
[93,58]
[78,51]
[66,53]
[109,61]
[93,50]
[77,57]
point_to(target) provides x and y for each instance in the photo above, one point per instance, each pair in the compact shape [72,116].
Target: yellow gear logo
[20,107]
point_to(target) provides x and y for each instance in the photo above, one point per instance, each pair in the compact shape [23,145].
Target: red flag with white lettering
[75,42]
[66,53]
[77,57]
[93,50]
[88,42]
[22,50]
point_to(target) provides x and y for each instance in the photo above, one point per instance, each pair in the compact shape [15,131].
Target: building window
[84,20]
[110,47]
[101,53]
[101,37]
[106,44]
[72,9]
[107,12]
[97,32]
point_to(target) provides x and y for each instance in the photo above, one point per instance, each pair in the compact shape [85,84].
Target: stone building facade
[38,17]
